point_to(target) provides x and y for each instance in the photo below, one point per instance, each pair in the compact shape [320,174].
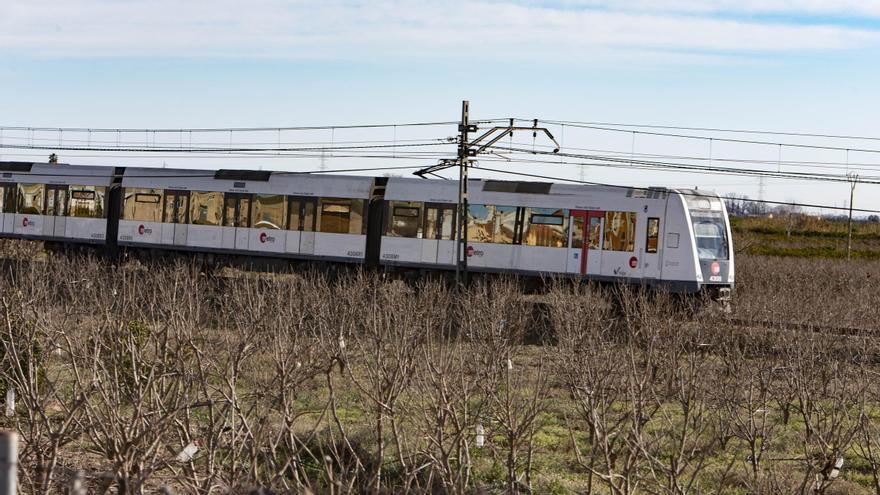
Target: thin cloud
[352,30]
[841,8]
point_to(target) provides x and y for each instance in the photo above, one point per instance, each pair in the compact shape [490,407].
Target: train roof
[249,181]
[481,191]
[51,173]
[513,193]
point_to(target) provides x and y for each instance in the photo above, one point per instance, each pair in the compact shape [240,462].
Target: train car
[676,239]
[246,212]
[679,240]
[53,202]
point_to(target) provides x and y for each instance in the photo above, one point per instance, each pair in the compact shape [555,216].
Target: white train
[676,239]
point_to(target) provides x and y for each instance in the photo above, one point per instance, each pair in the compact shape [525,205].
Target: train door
[10,196]
[237,214]
[4,199]
[585,254]
[176,217]
[437,243]
[307,237]
[593,244]
[56,209]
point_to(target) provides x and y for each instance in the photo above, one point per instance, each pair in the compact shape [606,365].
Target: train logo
[470,251]
[264,238]
[24,222]
[716,268]
[143,230]
[633,262]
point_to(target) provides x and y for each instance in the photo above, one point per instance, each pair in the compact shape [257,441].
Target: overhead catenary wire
[234,129]
[148,149]
[717,129]
[690,167]
[844,165]
[627,166]
[706,138]
[619,186]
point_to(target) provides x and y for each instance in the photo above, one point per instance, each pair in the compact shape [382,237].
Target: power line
[238,143]
[234,129]
[212,150]
[793,163]
[766,201]
[717,129]
[709,138]
[689,167]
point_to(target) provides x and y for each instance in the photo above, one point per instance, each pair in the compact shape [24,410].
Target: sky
[807,66]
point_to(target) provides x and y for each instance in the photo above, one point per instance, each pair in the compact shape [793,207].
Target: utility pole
[467,150]
[464,158]
[853,180]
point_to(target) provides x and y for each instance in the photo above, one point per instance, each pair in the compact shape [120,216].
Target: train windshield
[711,235]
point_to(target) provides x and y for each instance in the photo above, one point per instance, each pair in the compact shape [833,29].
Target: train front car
[711,242]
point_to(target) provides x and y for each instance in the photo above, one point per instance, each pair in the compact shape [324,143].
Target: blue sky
[798,65]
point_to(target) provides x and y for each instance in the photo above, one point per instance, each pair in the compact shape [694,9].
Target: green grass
[805,237]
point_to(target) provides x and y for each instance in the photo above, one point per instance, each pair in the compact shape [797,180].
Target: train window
[269,211]
[653,235]
[144,205]
[577,232]
[56,200]
[237,210]
[440,222]
[595,232]
[481,223]
[86,201]
[620,231]
[341,216]
[505,224]
[301,214]
[488,223]
[358,223]
[176,206]
[293,214]
[545,227]
[432,223]
[710,233]
[335,216]
[447,224]
[404,219]
[30,198]
[308,218]
[9,205]
[8,198]
[206,208]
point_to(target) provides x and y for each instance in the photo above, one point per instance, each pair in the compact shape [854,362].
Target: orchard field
[147,377]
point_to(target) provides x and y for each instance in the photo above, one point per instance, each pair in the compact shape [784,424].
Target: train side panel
[680,269]
[64,203]
[214,232]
